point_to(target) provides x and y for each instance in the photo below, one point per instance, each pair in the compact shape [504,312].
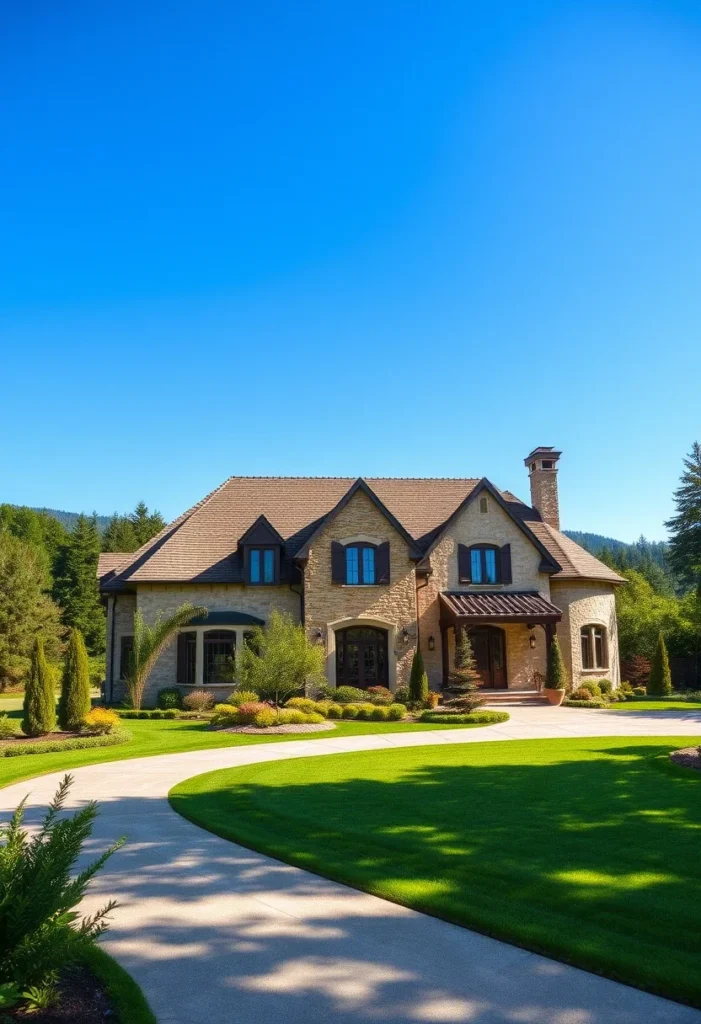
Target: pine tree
[556,678]
[39,695]
[145,525]
[465,678]
[685,526]
[660,682]
[74,702]
[119,535]
[76,587]
[418,680]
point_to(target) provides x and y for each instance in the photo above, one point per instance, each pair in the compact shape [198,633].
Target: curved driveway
[215,933]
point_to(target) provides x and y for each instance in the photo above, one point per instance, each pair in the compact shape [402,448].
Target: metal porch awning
[497,606]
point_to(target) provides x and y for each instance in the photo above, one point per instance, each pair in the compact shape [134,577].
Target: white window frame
[199,653]
[591,626]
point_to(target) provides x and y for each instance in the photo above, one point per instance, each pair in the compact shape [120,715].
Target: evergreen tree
[418,680]
[25,610]
[74,702]
[660,682]
[556,678]
[76,587]
[145,525]
[465,678]
[685,526]
[119,535]
[39,695]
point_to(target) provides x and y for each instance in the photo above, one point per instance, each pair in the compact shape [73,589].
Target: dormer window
[484,564]
[359,563]
[261,565]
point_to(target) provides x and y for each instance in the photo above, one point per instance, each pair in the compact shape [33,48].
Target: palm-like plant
[149,643]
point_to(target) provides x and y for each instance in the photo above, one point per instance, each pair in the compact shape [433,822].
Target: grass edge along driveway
[585,850]
[151,738]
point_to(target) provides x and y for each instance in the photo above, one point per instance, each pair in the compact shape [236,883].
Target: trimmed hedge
[157,713]
[76,743]
[473,718]
[570,703]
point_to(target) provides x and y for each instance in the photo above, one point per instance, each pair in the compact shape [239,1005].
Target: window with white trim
[594,647]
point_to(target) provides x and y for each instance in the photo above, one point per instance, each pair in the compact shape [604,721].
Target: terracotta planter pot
[555,697]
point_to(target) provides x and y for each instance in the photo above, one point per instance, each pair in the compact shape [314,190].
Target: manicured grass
[127,999]
[584,849]
[172,737]
[655,705]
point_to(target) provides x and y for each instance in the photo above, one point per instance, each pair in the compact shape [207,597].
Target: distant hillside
[642,550]
[68,519]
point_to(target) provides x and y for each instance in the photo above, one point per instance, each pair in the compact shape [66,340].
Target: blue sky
[351,238]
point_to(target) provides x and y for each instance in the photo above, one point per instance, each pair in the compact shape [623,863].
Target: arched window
[359,563]
[219,647]
[594,647]
[484,564]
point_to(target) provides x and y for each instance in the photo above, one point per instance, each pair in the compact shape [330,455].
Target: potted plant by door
[556,679]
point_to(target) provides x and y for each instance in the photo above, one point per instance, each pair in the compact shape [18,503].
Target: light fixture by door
[531,642]
[431,643]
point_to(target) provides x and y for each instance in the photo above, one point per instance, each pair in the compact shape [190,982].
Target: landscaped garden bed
[687,757]
[582,849]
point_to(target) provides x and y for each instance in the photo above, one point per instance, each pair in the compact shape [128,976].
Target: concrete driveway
[215,933]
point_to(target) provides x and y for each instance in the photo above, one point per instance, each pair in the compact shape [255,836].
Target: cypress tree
[39,695]
[418,680]
[74,702]
[76,589]
[556,678]
[660,682]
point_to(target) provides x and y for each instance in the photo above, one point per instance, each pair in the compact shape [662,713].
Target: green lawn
[584,849]
[655,705]
[172,737]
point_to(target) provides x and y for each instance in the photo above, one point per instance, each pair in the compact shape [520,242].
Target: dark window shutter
[382,563]
[505,553]
[338,562]
[182,659]
[464,574]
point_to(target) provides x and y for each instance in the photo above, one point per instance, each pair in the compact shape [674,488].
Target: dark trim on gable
[360,485]
[261,533]
[548,563]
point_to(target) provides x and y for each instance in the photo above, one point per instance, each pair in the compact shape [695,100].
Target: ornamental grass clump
[74,702]
[239,697]
[39,695]
[40,931]
[198,700]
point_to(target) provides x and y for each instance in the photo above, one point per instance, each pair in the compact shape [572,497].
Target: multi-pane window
[360,564]
[261,565]
[126,652]
[187,658]
[219,648]
[594,652]
[483,565]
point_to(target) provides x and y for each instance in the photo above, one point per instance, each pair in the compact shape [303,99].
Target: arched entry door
[361,657]
[490,654]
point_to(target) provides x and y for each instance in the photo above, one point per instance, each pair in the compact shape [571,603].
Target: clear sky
[387,238]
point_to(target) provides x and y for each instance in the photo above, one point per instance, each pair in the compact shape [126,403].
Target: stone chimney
[542,472]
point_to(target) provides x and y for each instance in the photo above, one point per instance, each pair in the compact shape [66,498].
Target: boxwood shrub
[473,718]
[573,703]
[111,739]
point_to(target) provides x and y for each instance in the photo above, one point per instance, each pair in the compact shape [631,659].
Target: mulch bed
[254,731]
[688,757]
[44,739]
[82,1000]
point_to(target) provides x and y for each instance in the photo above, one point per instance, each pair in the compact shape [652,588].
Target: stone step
[515,697]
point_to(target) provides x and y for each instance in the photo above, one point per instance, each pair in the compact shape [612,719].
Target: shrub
[593,687]
[395,712]
[39,695]
[157,713]
[570,702]
[432,699]
[556,678]
[474,718]
[605,686]
[264,719]
[169,697]
[198,700]
[321,707]
[170,713]
[636,670]
[39,929]
[660,682]
[365,712]
[100,722]
[418,680]
[7,728]
[73,743]
[74,703]
[402,695]
[379,695]
[379,714]
[305,704]
[334,711]
[624,687]
[243,697]
[582,693]
[639,691]
[292,717]
[279,660]
[229,710]
[315,718]
[349,695]
[246,713]
[349,711]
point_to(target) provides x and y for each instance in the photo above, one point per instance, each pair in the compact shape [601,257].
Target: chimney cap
[542,452]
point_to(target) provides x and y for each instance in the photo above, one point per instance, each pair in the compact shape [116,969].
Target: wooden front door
[490,655]
[361,657]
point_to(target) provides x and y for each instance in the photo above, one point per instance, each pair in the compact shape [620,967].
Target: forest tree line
[48,581]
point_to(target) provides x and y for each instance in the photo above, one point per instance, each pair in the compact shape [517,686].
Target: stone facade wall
[475,527]
[124,608]
[544,495]
[165,598]
[391,606]
[586,603]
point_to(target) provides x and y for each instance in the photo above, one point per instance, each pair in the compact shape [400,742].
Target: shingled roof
[201,544]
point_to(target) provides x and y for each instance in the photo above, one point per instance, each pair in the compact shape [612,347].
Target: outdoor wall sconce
[405,636]
[318,634]
[531,642]
[431,643]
